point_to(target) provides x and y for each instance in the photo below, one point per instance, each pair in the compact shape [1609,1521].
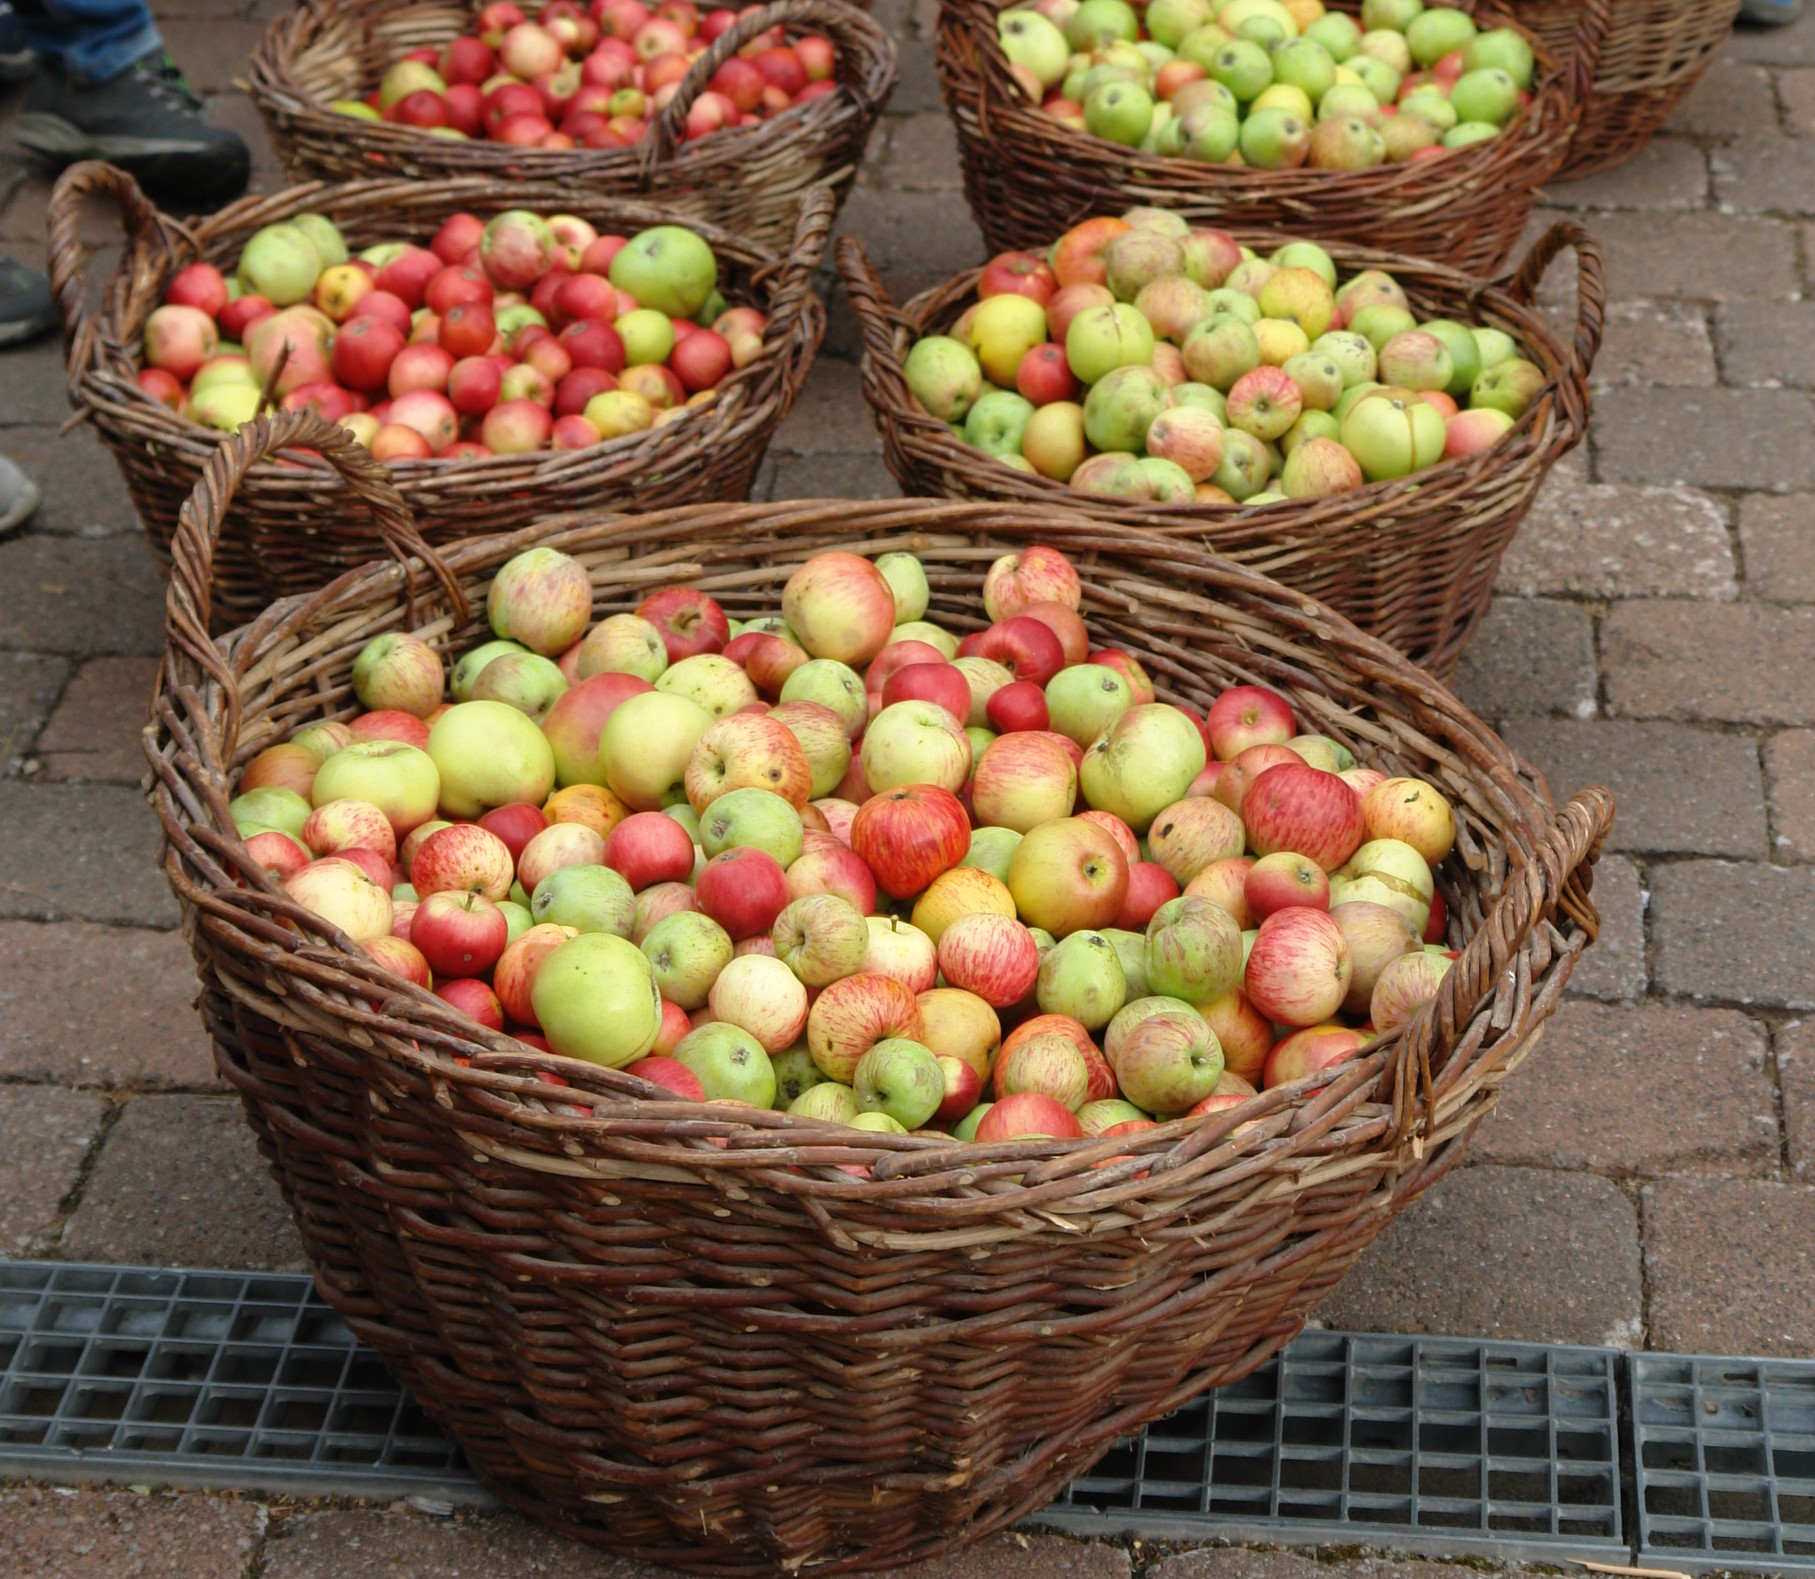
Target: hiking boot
[16,57]
[146,120]
[26,309]
[18,497]
[1770,13]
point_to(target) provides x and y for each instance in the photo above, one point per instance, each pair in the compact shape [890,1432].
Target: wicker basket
[1654,53]
[747,180]
[1411,562]
[289,532]
[688,1333]
[1028,178]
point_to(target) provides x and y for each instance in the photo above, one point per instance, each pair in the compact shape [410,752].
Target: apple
[761,995]
[795,1075]
[1016,707]
[648,848]
[542,599]
[591,804]
[1231,784]
[401,781]
[459,933]
[646,745]
[514,976]
[1023,780]
[901,950]
[688,620]
[1166,1059]
[338,891]
[1376,936]
[710,679]
[1192,834]
[561,844]
[337,826]
[828,1102]
[1028,1115]
[271,806]
[1145,761]
[754,819]
[464,858]
[732,1066]
[475,1000]
[961,891]
[1312,1050]
[278,854]
[1303,809]
[1193,950]
[667,268]
[391,725]
[398,671]
[1388,872]
[523,680]
[1404,986]
[833,869]
[821,938]
[908,835]
[586,898]
[668,1074]
[1248,715]
[595,998]
[1242,1031]
[1283,879]
[963,1087]
[900,1077]
[687,951]
[623,644]
[1414,813]
[1068,875]
[1299,968]
[1050,1064]
[853,1014]
[400,957]
[991,955]
[840,606]
[488,754]
[1082,977]
[744,890]
[747,750]
[959,1024]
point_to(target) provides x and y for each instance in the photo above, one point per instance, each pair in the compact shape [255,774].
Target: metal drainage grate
[1415,1443]
[213,1379]
[1724,1462]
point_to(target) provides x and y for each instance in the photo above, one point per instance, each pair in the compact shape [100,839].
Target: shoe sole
[18,68]
[57,138]
[23,329]
[24,506]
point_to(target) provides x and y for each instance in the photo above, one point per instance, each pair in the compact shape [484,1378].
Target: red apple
[938,682]
[515,973]
[400,957]
[689,620]
[907,836]
[1315,1048]
[1150,885]
[1018,274]
[1283,879]
[1299,967]
[1249,715]
[460,934]
[833,869]
[1035,575]
[994,956]
[473,999]
[743,890]
[1302,808]
[1024,646]
[515,824]
[649,847]
[1043,375]
[1027,1115]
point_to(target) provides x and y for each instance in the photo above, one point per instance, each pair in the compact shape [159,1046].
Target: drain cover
[1724,1462]
[1414,1443]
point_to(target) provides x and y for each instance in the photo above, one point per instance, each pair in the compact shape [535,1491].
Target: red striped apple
[1299,968]
[852,1015]
[1305,809]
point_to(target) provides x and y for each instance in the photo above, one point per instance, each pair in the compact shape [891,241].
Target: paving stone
[81,596]
[917,78]
[1725,932]
[88,1005]
[362,1544]
[1765,343]
[1790,775]
[45,1133]
[1647,1090]
[1521,1254]
[1729,101]
[214,53]
[922,155]
[180,1182]
[36,389]
[1613,968]
[62,1533]
[1530,656]
[1709,438]
[29,687]
[95,731]
[1777,541]
[1737,663]
[1235,1562]
[1647,767]
[913,234]
[1765,175]
[81,852]
[1655,343]
[1668,173]
[1796,1078]
[1697,257]
[1601,541]
[1796,90]
[832,477]
[84,495]
[1773,46]
[1730,1266]
[831,417]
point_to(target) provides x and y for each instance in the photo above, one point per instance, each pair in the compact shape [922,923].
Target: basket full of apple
[723,113]
[700,975]
[1369,428]
[1417,128]
[508,352]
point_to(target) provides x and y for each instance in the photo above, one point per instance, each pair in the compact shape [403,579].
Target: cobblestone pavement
[1650,1177]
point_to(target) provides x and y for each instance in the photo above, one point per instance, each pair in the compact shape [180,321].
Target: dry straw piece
[747,179]
[1028,178]
[1653,54]
[687,1332]
[1412,562]
[290,530]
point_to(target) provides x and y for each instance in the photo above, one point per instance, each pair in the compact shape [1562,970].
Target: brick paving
[1650,1179]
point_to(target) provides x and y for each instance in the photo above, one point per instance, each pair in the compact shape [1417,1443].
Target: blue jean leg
[88,40]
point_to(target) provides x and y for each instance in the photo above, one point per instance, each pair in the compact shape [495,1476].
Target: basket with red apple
[728,130]
[1411,559]
[726,1338]
[1653,54]
[516,444]
[1459,195]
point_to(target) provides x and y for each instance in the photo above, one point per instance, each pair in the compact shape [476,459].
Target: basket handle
[1556,875]
[1594,18]
[794,279]
[1591,302]
[853,35]
[146,230]
[189,604]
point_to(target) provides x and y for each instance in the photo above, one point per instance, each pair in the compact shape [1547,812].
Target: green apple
[1032,42]
[280,263]
[1437,32]
[1161,481]
[1208,133]
[489,754]
[1099,22]
[997,424]
[1243,68]
[828,1101]
[1245,466]
[667,268]
[1392,433]
[1510,386]
[1318,378]
[646,745]
[686,951]
[944,376]
[1193,950]
[1131,950]
[878,1124]
[731,1064]
[1219,351]
[1495,346]
[1501,49]
[1432,105]
[1101,339]
[1393,16]
[1119,112]
[751,818]
[472,665]
[1310,425]
[966,1128]
[901,1078]
[1488,97]
[1201,46]
[595,998]
[1465,133]
[648,336]
[524,680]
[1084,699]
[1354,354]
[906,577]
[1380,77]
[1082,977]
[1379,322]
[1305,64]
[834,685]
[586,898]
[1171,22]
[1121,407]
[1169,1060]
[1464,354]
[991,850]
[271,806]
[795,1075]
[1337,32]
[1143,762]
[1003,329]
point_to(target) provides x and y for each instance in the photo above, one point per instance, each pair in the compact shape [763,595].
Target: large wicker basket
[747,179]
[689,1333]
[1411,562]
[289,531]
[1654,53]
[1028,178]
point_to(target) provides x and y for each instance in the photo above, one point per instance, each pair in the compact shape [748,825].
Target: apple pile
[593,76]
[1270,84]
[500,337]
[1144,360]
[823,860]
